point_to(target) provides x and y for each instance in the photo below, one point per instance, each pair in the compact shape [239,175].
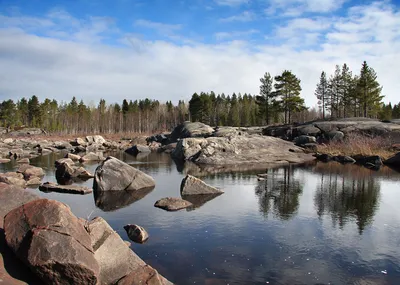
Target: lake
[312,224]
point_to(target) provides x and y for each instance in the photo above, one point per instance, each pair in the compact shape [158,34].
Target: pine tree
[322,92]
[369,90]
[334,92]
[288,87]
[34,112]
[346,85]
[234,116]
[267,97]
[195,107]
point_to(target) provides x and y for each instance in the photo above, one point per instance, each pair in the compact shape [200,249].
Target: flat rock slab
[69,189]
[193,186]
[172,204]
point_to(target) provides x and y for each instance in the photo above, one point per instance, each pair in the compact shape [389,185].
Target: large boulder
[303,139]
[91,156]
[115,258]
[250,151]
[98,139]
[65,171]
[13,178]
[393,161]
[189,130]
[191,185]
[30,171]
[46,236]
[113,174]
[143,275]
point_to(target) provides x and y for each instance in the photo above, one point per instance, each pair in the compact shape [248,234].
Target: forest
[340,95]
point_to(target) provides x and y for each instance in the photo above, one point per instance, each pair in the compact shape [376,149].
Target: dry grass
[355,144]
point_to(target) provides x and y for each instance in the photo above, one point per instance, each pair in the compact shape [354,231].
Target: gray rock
[301,140]
[250,151]
[34,181]
[23,160]
[189,130]
[60,161]
[13,178]
[30,171]
[308,130]
[73,157]
[116,260]
[335,136]
[47,237]
[70,189]
[344,159]
[89,139]
[191,185]
[98,139]
[4,160]
[113,174]
[134,150]
[373,160]
[226,132]
[91,157]
[311,147]
[8,141]
[136,233]
[172,204]
[65,171]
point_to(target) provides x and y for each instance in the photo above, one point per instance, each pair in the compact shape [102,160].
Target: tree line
[279,101]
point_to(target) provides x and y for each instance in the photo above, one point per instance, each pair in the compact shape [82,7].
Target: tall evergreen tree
[267,97]
[288,87]
[369,90]
[322,92]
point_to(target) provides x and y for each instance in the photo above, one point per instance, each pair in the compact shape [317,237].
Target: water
[313,224]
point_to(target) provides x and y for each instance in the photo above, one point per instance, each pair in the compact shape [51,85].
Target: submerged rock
[113,174]
[70,189]
[172,204]
[134,150]
[191,185]
[46,236]
[136,233]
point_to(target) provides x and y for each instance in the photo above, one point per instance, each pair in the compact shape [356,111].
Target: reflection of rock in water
[198,200]
[109,201]
[345,197]
[279,193]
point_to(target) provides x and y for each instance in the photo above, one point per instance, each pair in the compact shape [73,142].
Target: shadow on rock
[110,201]
[18,272]
[198,200]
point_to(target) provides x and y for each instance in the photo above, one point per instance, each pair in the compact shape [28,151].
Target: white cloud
[221,36]
[245,16]
[159,27]
[231,2]
[76,61]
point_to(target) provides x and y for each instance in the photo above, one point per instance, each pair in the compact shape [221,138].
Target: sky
[167,49]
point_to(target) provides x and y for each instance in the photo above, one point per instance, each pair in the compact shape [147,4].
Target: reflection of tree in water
[346,197]
[279,193]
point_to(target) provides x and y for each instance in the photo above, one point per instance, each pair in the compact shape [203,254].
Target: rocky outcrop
[116,175]
[69,189]
[250,151]
[143,275]
[91,156]
[116,260]
[136,233]
[46,236]
[190,130]
[172,204]
[191,185]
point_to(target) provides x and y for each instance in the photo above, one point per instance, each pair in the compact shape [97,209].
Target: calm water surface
[314,224]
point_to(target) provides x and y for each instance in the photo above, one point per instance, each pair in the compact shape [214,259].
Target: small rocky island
[53,246]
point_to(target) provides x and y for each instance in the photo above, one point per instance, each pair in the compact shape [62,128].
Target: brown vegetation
[356,144]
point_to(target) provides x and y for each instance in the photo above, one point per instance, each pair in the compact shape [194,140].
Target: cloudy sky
[169,49]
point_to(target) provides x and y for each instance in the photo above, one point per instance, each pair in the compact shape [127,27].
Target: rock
[82,173]
[60,161]
[370,161]
[65,171]
[324,157]
[190,130]
[78,142]
[191,185]
[24,160]
[70,189]
[4,160]
[46,236]
[98,140]
[95,148]
[301,140]
[308,130]
[63,145]
[311,147]
[344,159]
[167,148]
[30,171]
[109,201]
[13,178]
[89,139]
[79,149]
[134,150]
[335,136]
[116,260]
[34,181]
[73,157]
[8,141]
[26,132]
[160,138]
[136,233]
[143,275]
[393,161]
[91,157]
[15,153]
[113,174]
[172,204]
[226,131]
[254,152]
[154,146]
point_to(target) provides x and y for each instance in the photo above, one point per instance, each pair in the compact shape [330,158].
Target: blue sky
[167,50]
